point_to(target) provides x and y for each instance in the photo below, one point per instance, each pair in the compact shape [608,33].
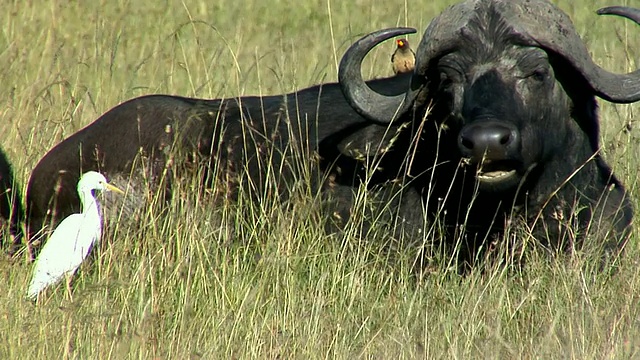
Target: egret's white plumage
[70,243]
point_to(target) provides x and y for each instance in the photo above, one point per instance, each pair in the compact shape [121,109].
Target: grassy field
[204,281]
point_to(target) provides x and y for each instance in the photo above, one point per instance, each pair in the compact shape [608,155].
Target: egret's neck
[89,203]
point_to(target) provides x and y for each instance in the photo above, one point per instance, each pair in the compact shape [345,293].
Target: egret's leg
[30,252]
[68,282]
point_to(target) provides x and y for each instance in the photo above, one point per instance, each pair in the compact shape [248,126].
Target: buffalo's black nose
[488,140]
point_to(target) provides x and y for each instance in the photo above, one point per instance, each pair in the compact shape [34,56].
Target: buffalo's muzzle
[493,147]
[491,141]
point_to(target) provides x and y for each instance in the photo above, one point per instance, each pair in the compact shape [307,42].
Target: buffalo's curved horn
[629,13]
[542,24]
[364,100]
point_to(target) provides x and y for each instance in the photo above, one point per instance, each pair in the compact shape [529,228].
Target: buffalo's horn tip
[623,11]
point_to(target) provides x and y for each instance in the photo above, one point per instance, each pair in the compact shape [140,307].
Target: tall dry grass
[246,280]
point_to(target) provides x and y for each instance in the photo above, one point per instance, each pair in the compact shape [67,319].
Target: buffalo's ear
[368,142]
[584,107]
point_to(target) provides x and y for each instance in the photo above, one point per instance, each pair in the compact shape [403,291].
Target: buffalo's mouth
[496,171]
[497,174]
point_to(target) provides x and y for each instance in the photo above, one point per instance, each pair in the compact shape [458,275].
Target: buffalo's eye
[445,81]
[539,75]
[448,78]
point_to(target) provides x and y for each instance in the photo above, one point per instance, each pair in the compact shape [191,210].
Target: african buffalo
[502,102]
[231,130]
[497,123]
[11,211]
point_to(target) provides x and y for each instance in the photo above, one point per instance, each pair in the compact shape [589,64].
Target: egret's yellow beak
[113,188]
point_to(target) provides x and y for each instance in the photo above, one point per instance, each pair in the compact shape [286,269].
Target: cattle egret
[70,243]
[403,60]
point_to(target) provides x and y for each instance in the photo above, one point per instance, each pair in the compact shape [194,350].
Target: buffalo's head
[499,74]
